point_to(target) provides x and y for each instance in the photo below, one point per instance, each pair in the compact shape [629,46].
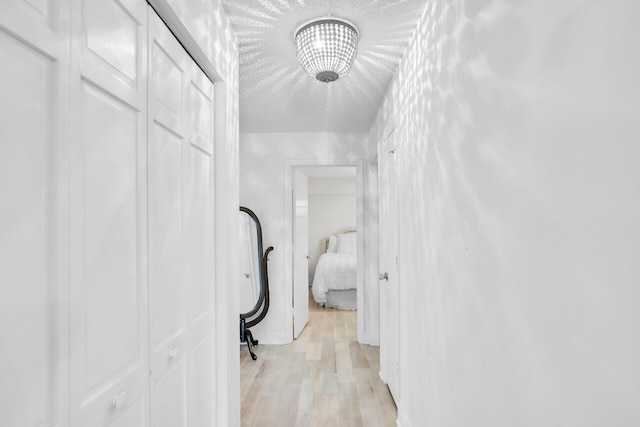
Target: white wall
[519,125]
[332,207]
[262,188]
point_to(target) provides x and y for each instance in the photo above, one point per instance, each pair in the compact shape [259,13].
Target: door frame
[289,166]
[300,192]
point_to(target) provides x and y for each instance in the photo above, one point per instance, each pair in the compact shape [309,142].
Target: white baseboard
[402,420]
[381,375]
[369,339]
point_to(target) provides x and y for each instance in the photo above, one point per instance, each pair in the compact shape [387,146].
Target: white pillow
[333,244]
[347,243]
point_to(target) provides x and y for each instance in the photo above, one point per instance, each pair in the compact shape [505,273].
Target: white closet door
[180,234]
[33,291]
[167,290]
[108,266]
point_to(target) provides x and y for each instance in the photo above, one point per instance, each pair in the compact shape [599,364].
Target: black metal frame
[262,305]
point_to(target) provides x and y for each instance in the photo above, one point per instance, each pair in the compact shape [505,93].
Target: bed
[334,282]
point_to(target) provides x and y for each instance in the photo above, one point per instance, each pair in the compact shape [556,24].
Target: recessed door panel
[167,80]
[27,312]
[199,246]
[170,409]
[133,416]
[201,375]
[168,75]
[112,34]
[166,288]
[41,7]
[200,102]
[111,292]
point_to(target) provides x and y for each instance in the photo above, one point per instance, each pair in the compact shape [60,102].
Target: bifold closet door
[180,234]
[108,235]
[33,290]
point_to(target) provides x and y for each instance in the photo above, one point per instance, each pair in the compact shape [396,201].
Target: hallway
[324,378]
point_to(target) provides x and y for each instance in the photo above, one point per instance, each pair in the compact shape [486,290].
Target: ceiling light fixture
[327,47]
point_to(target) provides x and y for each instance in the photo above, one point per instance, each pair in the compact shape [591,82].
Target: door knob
[173,353]
[119,400]
[384,276]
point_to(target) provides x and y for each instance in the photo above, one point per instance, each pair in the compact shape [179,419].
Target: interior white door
[33,290]
[388,261]
[108,251]
[300,252]
[180,234]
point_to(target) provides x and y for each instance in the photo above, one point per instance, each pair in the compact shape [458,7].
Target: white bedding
[334,271]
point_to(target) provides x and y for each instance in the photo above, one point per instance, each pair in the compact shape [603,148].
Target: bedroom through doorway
[332,241]
[325,240]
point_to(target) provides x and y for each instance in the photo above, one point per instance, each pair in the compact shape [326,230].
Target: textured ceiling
[276,95]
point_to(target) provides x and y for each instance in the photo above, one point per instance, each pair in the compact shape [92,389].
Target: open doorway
[325,201]
[332,240]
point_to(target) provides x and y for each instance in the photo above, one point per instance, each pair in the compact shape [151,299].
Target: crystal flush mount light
[327,47]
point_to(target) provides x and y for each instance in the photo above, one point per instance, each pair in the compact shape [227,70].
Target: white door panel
[199,231]
[30,17]
[389,285]
[33,338]
[42,7]
[133,416]
[200,107]
[168,302]
[108,266]
[301,252]
[166,80]
[166,293]
[202,372]
[200,212]
[112,33]
[200,277]
[24,242]
[170,393]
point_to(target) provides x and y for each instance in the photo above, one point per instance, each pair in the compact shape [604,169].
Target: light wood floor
[324,378]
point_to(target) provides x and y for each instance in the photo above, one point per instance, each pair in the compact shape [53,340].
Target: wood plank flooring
[324,378]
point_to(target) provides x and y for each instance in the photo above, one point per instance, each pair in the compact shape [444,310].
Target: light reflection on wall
[517,122]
